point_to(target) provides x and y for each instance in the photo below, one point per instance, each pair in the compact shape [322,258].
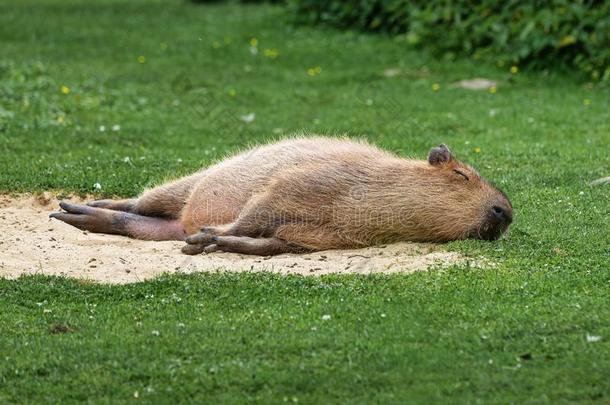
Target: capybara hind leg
[244,245]
[127,205]
[168,200]
[153,203]
[165,201]
[100,220]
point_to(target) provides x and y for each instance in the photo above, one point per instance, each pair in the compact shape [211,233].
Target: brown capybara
[307,194]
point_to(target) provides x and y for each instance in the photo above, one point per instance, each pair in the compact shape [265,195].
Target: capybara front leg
[241,244]
[199,242]
[100,220]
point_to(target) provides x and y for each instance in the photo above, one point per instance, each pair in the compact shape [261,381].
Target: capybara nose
[498,219]
[502,214]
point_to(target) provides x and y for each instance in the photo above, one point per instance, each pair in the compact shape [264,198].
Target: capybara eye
[461,174]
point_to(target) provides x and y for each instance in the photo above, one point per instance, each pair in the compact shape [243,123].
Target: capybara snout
[498,218]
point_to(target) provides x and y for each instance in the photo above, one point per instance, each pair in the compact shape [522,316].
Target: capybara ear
[440,155]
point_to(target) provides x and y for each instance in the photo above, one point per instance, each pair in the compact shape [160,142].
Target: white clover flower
[248,118]
[593,338]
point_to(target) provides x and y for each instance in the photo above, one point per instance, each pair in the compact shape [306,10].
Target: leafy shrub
[538,32]
[241,1]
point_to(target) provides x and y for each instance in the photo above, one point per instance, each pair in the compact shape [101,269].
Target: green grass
[514,333]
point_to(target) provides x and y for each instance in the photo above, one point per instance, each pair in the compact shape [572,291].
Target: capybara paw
[85,217]
[192,249]
[201,238]
[202,242]
[114,205]
[197,249]
[74,214]
[100,203]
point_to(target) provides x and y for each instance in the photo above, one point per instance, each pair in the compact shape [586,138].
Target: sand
[32,243]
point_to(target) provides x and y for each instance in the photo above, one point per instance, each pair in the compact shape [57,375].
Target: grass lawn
[128,93]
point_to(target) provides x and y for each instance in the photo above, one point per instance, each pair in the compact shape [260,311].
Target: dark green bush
[241,1]
[539,33]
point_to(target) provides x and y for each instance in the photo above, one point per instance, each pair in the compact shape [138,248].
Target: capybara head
[464,204]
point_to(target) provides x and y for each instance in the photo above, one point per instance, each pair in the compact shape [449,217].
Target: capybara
[306,194]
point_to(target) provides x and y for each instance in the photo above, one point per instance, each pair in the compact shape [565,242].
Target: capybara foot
[92,219]
[197,249]
[102,220]
[206,236]
[115,205]
[201,242]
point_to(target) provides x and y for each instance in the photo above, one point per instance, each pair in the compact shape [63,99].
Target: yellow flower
[567,40]
[232,92]
[271,53]
[61,119]
[477,150]
[514,69]
[493,89]
[254,42]
[586,102]
[436,87]
[65,90]
[313,71]
[142,59]
[215,44]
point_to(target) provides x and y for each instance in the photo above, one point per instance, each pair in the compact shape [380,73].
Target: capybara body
[306,194]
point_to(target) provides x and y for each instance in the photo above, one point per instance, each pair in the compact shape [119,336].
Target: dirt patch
[31,243]
[476,84]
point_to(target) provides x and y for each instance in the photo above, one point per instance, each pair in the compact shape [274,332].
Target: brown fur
[322,193]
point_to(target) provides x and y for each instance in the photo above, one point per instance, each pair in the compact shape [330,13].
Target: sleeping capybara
[306,194]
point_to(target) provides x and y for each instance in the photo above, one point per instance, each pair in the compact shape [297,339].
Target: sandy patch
[476,84]
[31,243]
